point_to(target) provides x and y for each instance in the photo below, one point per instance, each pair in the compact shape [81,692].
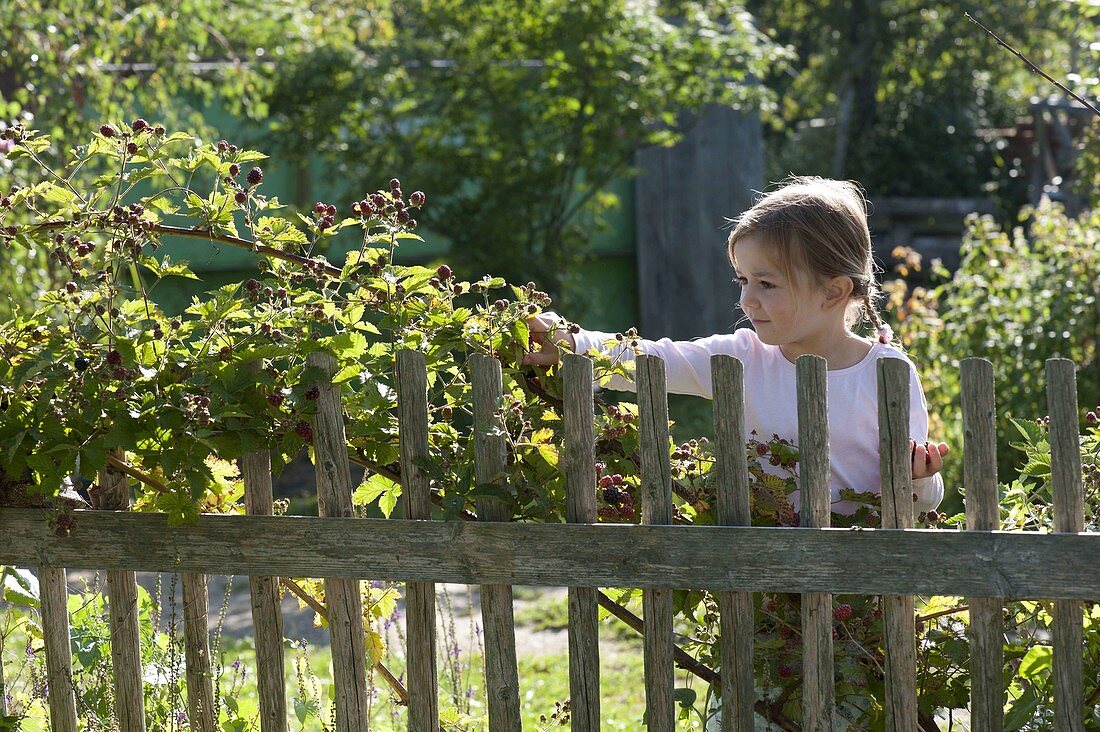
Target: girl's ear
[838,291]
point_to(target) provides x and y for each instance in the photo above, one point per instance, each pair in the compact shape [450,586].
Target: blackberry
[234,170]
[114,357]
[108,131]
[240,197]
[304,431]
[416,198]
[395,184]
[444,272]
[255,176]
[132,148]
[313,394]
[139,124]
[81,363]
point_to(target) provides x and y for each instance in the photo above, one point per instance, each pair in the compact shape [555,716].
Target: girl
[802,256]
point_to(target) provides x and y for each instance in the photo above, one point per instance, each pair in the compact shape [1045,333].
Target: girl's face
[783,313]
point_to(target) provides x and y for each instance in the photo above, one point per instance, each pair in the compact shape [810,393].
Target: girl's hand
[546,332]
[927,457]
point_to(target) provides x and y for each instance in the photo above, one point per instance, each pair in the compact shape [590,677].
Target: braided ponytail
[884,332]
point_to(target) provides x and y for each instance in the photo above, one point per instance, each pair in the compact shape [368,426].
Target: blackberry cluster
[615,492]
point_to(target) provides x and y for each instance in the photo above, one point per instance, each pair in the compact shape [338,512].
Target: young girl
[802,256]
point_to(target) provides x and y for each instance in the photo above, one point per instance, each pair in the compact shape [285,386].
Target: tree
[894,94]
[521,115]
[62,64]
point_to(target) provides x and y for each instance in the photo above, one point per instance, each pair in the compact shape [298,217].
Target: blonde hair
[818,227]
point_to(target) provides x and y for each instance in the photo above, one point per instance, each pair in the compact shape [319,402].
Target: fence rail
[733,559]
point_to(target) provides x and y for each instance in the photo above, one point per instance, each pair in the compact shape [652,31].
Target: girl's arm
[687,363]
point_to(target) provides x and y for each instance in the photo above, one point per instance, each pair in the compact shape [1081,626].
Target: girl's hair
[818,227]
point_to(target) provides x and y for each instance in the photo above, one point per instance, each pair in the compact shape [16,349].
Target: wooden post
[501,670]
[345,606]
[897,513]
[658,642]
[412,423]
[113,493]
[59,662]
[580,491]
[737,619]
[267,614]
[200,686]
[818,686]
[3,686]
[983,514]
[1069,516]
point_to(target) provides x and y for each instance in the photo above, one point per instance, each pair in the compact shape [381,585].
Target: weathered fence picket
[59,662]
[196,639]
[579,461]
[983,514]
[267,614]
[656,474]
[345,605]
[490,454]
[412,405]
[736,615]
[1069,516]
[733,559]
[122,601]
[897,513]
[818,692]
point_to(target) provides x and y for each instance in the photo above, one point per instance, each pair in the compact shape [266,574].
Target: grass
[543,678]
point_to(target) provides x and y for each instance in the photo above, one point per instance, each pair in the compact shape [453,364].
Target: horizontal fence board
[756,559]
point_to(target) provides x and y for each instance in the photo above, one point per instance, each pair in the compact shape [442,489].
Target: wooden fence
[732,559]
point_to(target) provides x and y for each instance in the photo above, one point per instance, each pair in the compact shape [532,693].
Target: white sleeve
[687,363]
[929,491]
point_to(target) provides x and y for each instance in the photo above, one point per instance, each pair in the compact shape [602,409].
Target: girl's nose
[746,298]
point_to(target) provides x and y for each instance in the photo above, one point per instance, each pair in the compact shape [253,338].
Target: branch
[693,666]
[299,592]
[136,474]
[1031,65]
[197,233]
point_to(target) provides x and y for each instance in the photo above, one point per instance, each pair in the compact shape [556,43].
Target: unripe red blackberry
[319,208]
[395,184]
[255,176]
[158,130]
[458,289]
[108,131]
[1091,418]
[139,124]
[313,394]
[234,170]
[252,285]
[416,198]
[223,146]
[403,216]
[606,482]
[71,287]
[410,224]
[275,399]
[114,357]
[434,282]
[842,612]
[330,210]
[444,272]
[304,431]
[240,197]
[445,413]
[132,148]
[785,671]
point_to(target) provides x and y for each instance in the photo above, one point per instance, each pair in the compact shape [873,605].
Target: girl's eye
[766,285]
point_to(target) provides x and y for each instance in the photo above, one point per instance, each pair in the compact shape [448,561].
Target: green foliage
[1018,298]
[902,95]
[520,114]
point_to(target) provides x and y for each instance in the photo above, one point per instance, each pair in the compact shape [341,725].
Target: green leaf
[1036,662]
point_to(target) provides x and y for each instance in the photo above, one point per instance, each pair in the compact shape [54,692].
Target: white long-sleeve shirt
[771,402]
